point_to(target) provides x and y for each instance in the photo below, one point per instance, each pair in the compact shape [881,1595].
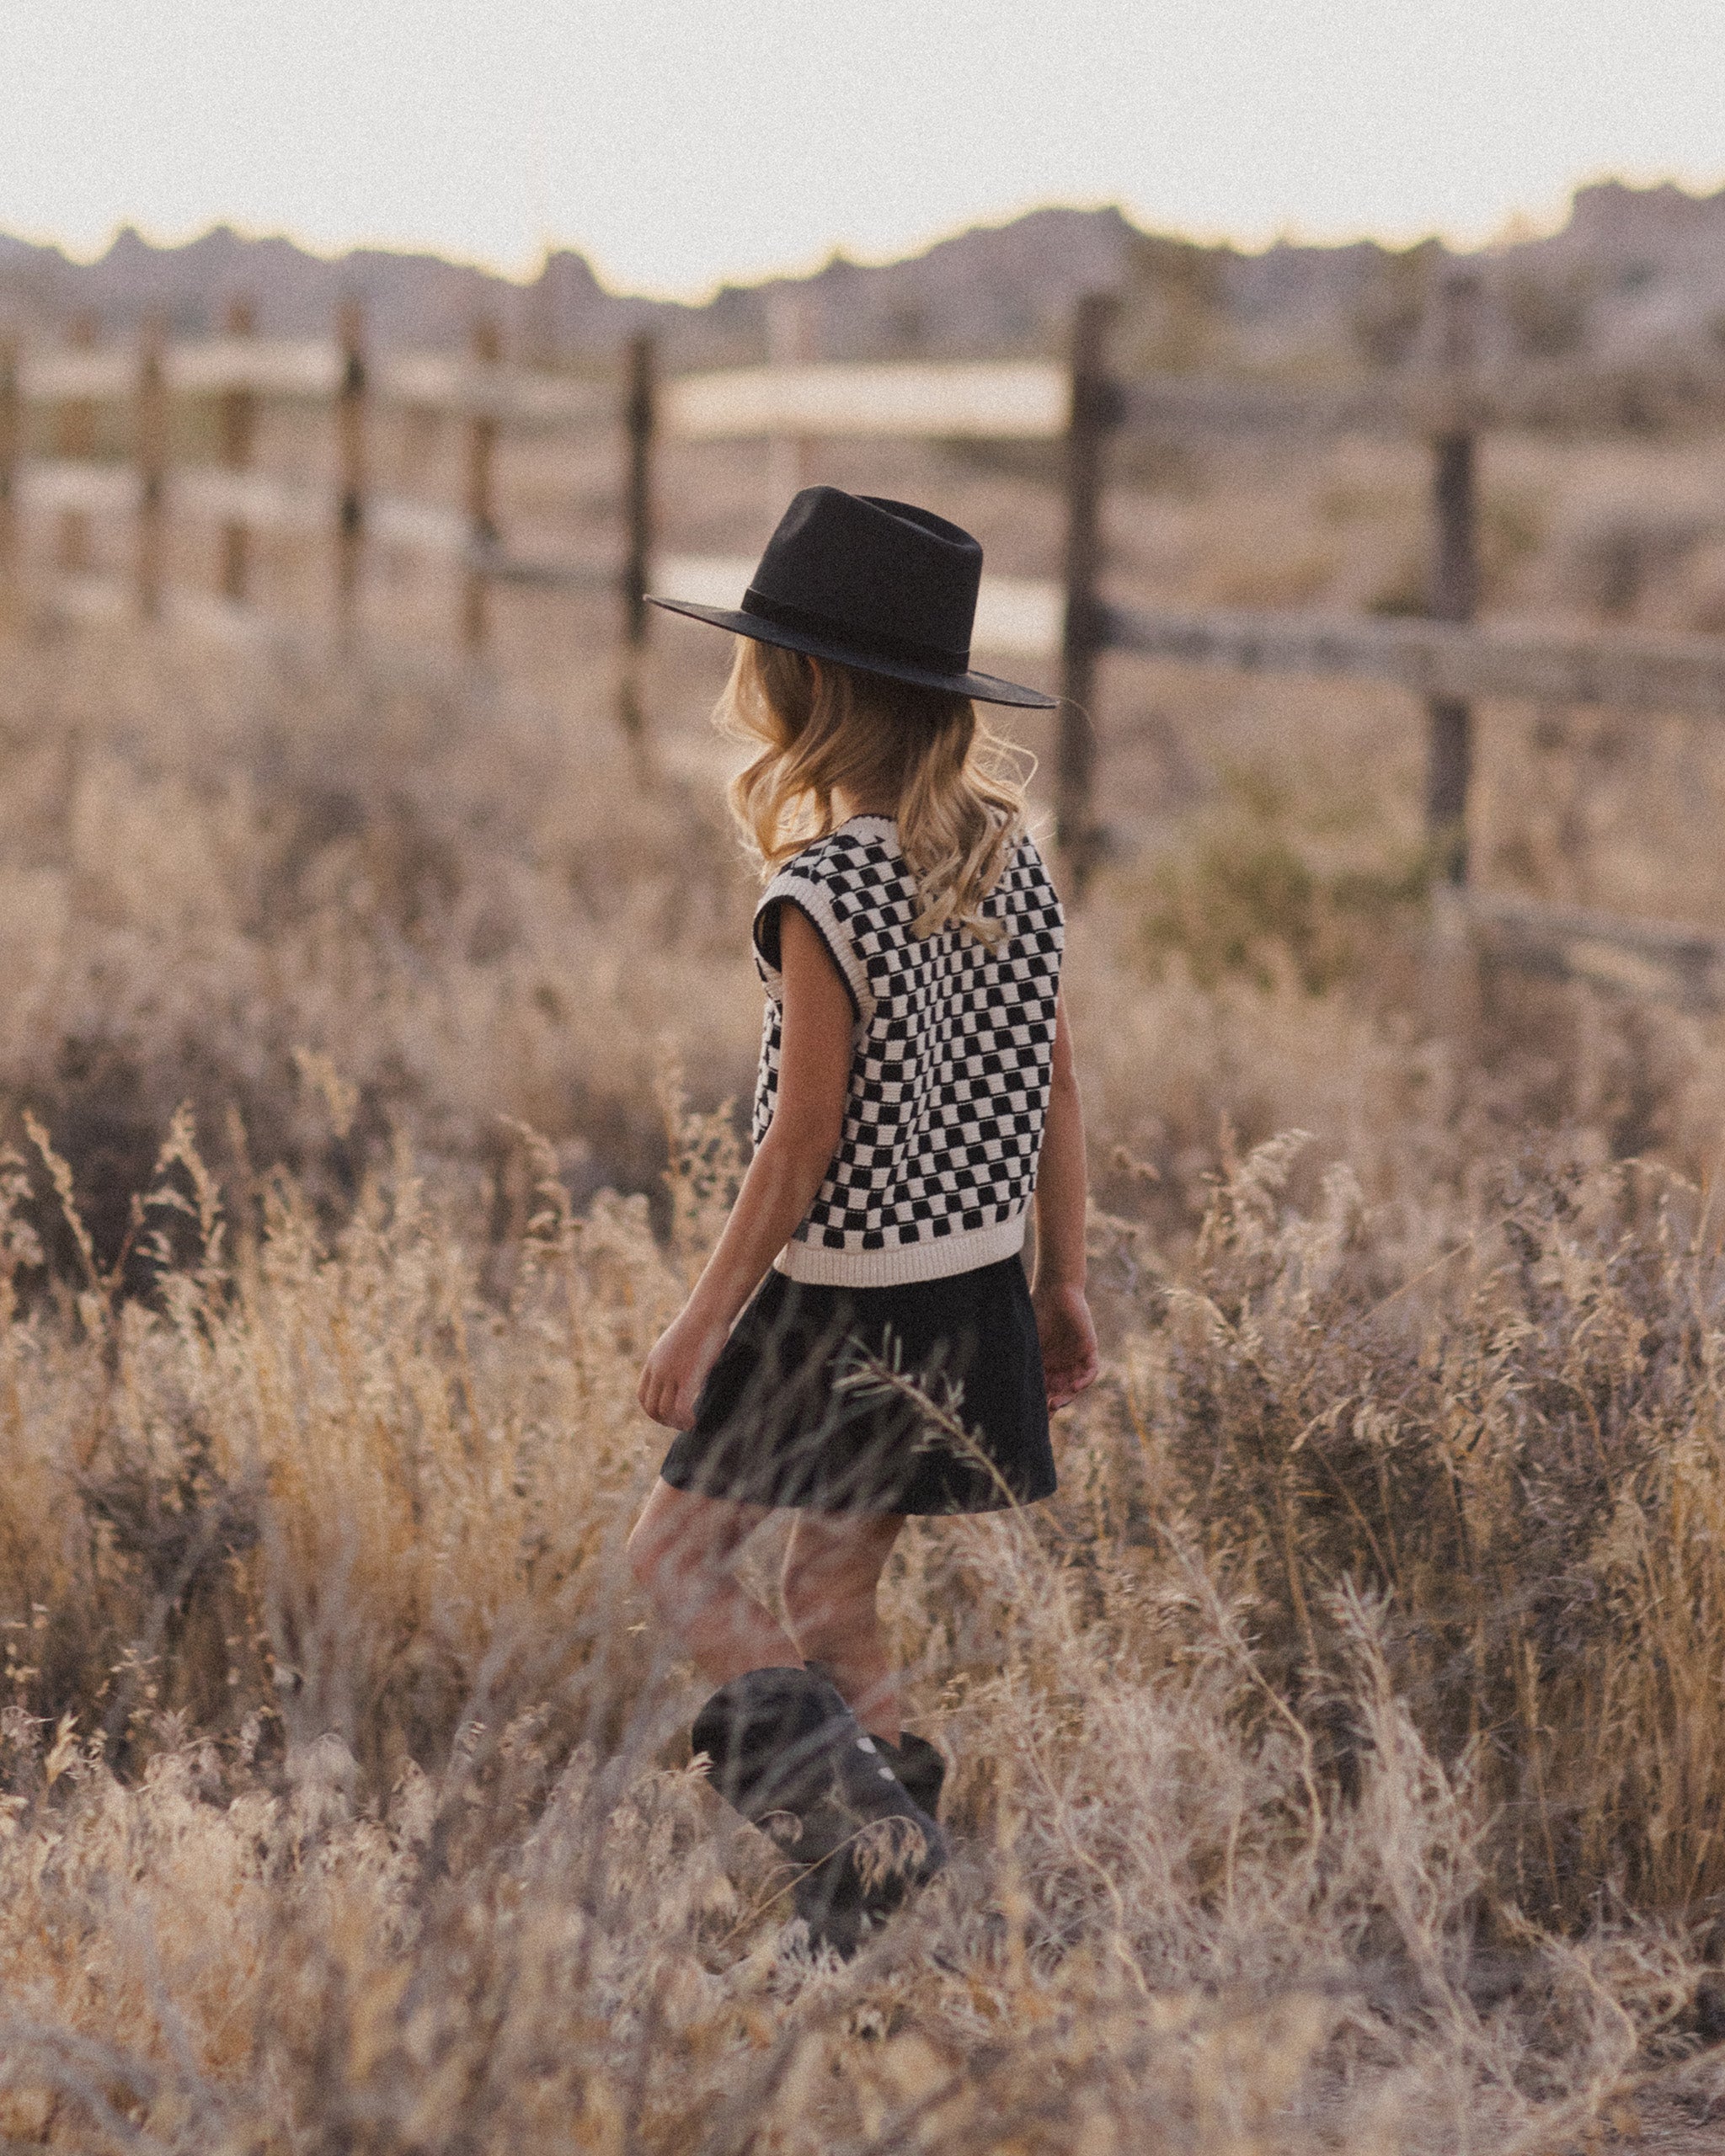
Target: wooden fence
[1446,659]
[236,372]
[1012,401]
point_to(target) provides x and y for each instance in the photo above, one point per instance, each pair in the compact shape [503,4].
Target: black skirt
[800,1408]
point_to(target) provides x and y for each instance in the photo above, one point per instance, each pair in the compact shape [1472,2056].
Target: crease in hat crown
[871,583]
[891,544]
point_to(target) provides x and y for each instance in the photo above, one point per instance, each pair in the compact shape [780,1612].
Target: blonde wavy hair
[822,728]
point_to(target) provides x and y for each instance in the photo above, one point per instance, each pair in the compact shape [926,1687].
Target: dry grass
[1337,1761]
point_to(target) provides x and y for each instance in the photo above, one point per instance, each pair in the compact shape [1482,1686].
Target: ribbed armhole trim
[809,899]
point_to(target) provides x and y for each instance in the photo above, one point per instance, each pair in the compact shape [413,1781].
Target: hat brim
[984,688]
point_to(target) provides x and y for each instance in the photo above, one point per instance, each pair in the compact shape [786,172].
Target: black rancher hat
[871,584]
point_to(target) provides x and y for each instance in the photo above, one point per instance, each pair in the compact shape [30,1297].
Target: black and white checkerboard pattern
[950,1072]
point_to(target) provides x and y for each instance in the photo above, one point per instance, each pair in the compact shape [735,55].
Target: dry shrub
[1256,896]
[1511,1446]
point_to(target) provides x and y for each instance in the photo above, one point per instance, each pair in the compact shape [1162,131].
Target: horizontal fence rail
[259,500]
[315,370]
[1562,397]
[65,482]
[1682,674]
[1662,959]
[1002,400]
[1012,401]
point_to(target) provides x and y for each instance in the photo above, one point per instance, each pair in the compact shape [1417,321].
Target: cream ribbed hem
[933,1260]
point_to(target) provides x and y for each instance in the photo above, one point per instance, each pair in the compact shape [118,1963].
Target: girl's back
[952,1060]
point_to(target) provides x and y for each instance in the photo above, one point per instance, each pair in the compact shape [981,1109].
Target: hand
[673,1374]
[1065,1328]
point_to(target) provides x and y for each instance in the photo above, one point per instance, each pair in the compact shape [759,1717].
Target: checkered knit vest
[950,1061]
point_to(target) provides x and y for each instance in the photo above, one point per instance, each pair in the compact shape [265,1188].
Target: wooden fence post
[350,465]
[75,439]
[237,428]
[150,454]
[481,507]
[1090,417]
[640,425]
[1453,586]
[11,452]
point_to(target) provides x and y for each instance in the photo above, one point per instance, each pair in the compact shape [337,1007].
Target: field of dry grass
[1338,1761]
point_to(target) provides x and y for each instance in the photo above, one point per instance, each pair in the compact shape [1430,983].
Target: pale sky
[679,142]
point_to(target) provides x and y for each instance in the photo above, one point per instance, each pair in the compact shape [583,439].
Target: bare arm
[1063,1320]
[782,1179]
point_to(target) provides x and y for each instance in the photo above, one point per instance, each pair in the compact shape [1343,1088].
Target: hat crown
[863,581]
[877,574]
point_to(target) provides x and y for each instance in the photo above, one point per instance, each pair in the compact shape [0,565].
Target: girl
[916,1096]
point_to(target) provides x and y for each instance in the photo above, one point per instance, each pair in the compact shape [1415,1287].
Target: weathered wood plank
[1091,416]
[11,448]
[1452,574]
[237,430]
[256,499]
[74,434]
[98,374]
[1024,399]
[542,571]
[352,417]
[1019,617]
[149,428]
[1682,674]
[427,526]
[312,367]
[209,614]
[1013,400]
[642,418]
[259,500]
[1197,404]
[89,596]
[264,367]
[1558,397]
[448,381]
[69,482]
[480,490]
[1667,960]
[701,579]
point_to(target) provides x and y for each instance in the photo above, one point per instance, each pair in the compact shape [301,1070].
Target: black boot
[834,1901]
[922,1769]
[838,1905]
[791,1757]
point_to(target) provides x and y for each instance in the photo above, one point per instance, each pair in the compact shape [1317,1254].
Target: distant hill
[987,290]
[1635,273]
